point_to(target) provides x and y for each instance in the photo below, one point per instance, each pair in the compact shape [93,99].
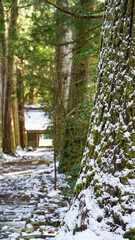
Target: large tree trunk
[62,68]
[2,65]
[81,67]
[10,139]
[78,93]
[14,113]
[105,189]
[63,53]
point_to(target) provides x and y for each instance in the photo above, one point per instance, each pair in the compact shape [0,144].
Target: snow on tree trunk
[104,198]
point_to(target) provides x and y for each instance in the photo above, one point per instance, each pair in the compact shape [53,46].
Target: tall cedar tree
[106,186]
[62,68]
[11,137]
[0,108]
[2,63]
[76,132]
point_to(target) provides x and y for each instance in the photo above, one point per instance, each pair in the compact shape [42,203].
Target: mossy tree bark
[106,182]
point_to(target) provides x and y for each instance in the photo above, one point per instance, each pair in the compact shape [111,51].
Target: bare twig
[71,112]
[80,120]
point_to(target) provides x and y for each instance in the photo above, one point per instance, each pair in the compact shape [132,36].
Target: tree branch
[73,14]
[74,49]
[25,6]
[90,30]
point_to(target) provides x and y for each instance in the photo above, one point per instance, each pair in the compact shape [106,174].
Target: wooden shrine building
[36,124]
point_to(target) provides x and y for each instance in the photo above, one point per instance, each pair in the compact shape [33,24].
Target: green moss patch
[99,219]
[79,187]
[123,180]
[130,235]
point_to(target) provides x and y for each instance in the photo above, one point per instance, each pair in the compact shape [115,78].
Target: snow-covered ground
[41,153]
[88,234]
[30,208]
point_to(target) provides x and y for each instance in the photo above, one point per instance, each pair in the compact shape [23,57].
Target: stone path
[29,207]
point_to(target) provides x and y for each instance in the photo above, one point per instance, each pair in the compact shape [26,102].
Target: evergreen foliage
[33,40]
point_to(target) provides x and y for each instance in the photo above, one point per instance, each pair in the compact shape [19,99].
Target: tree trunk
[31,95]
[9,137]
[20,95]
[105,189]
[63,62]
[2,66]
[78,94]
[14,113]
[55,138]
[81,68]
[62,67]
[0,106]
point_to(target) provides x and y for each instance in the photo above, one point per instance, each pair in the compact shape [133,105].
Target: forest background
[48,55]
